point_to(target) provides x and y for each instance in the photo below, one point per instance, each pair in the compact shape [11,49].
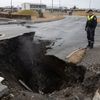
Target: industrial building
[30,6]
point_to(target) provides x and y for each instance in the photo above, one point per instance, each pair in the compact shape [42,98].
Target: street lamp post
[52,5]
[11,7]
[59,6]
[59,3]
[40,2]
[90,4]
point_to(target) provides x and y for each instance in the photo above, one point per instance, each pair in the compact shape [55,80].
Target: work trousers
[90,34]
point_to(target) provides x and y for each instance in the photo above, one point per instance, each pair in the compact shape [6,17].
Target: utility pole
[90,4]
[52,5]
[59,6]
[11,7]
[40,1]
[59,3]
[40,4]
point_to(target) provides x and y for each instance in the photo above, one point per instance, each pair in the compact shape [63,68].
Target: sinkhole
[26,59]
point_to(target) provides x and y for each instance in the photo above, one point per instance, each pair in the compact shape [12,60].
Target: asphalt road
[12,30]
[67,34]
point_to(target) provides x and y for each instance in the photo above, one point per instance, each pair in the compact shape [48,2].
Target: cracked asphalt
[66,35]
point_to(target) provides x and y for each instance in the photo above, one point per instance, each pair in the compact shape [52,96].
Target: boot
[91,45]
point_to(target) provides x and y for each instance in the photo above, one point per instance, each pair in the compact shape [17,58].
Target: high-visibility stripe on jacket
[90,17]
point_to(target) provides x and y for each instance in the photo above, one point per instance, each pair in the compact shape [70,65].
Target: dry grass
[98,20]
[80,13]
[49,17]
[27,12]
[83,13]
[53,15]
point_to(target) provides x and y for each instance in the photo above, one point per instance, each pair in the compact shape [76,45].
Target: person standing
[90,28]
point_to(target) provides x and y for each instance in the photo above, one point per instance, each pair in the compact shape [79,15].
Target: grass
[50,16]
[83,13]
[35,15]
[98,20]
[80,13]
[27,12]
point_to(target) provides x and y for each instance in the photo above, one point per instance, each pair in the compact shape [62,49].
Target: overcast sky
[66,3]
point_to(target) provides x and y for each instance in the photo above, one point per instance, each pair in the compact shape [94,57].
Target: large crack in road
[24,58]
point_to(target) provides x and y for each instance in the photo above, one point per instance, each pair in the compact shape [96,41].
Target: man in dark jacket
[90,28]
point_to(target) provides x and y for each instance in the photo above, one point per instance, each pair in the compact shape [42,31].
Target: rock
[30,96]
[11,95]
[3,90]
[97,95]
[1,79]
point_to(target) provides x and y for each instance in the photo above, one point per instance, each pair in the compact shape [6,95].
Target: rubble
[3,88]
[97,95]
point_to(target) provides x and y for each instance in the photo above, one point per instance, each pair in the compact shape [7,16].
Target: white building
[30,6]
